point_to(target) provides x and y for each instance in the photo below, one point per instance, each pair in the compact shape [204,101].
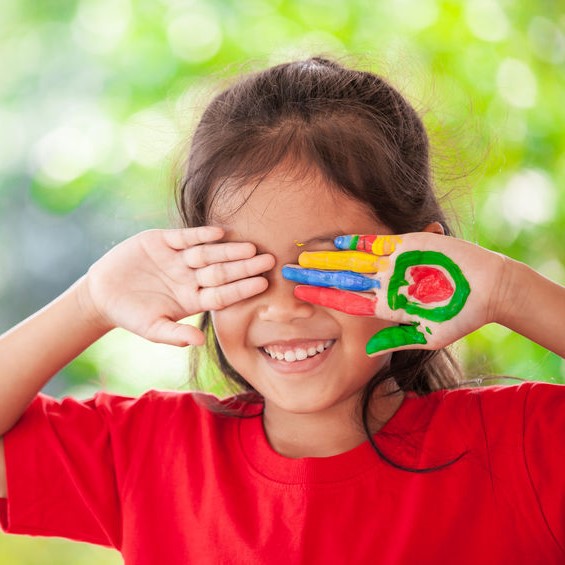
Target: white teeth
[289,356]
[299,354]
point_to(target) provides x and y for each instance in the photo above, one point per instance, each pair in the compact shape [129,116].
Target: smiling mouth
[291,354]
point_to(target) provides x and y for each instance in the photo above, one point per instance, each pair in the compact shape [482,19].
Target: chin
[305,404]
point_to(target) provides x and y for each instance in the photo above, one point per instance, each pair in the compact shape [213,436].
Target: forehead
[285,209]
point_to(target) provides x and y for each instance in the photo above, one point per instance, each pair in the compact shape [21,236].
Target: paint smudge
[430,285]
[341,300]
[298,243]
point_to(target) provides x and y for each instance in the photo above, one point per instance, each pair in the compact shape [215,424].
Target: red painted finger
[341,300]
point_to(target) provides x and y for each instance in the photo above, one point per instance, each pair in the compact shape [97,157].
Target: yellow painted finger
[385,244]
[355,261]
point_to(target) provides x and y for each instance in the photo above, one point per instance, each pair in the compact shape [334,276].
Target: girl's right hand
[157,277]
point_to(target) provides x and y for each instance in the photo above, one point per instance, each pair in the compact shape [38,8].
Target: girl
[349,440]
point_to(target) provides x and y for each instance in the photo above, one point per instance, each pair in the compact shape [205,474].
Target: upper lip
[295,341]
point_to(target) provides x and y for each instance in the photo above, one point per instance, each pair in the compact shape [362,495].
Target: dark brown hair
[356,130]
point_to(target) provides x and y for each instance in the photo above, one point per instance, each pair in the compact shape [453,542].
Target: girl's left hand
[435,289]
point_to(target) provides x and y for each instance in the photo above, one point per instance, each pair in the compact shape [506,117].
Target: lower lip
[308,364]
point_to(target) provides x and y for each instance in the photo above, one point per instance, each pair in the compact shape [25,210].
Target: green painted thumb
[396,336]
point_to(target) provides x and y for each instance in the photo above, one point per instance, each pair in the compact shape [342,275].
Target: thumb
[173,333]
[395,338]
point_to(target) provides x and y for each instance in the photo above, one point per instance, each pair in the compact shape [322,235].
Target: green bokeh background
[97,97]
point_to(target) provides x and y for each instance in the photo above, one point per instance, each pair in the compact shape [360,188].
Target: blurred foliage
[97,95]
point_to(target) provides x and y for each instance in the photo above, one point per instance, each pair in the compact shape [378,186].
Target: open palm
[157,277]
[435,288]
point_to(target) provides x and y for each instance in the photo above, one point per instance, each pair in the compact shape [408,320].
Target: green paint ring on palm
[408,259]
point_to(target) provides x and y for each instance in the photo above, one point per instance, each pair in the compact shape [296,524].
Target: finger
[356,261]
[222,273]
[376,244]
[173,333]
[346,280]
[341,300]
[396,338]
[216,298]
[203,255]
[186,237]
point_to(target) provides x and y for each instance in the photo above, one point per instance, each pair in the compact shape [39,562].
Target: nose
[278,303]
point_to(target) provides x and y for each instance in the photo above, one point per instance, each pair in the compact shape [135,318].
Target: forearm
[36,349]
[534,307]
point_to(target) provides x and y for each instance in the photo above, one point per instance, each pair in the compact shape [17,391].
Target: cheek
[356,333]
[230,326]
[224,327]
[358,330]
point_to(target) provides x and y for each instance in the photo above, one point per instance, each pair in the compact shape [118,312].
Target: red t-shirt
[165,480]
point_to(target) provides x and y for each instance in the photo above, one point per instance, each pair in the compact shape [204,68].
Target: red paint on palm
[430,285]
[341,300]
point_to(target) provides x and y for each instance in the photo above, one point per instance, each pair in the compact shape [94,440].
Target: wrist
[87,309]
[512,293]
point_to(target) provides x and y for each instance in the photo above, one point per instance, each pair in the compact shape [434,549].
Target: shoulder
[497,394]
[502,400]
[498,402]
[153,405]
[150,399]
[486,409]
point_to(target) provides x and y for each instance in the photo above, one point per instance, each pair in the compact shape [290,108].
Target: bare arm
[34,350]
[145,285]
[37,348]
[533,306]
[3,491]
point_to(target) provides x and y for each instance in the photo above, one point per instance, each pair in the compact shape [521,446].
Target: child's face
[282,212]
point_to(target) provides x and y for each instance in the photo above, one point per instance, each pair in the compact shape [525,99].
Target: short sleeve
[62,478]
[544,451]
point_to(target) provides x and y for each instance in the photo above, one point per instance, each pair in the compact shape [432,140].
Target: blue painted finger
[346,280]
